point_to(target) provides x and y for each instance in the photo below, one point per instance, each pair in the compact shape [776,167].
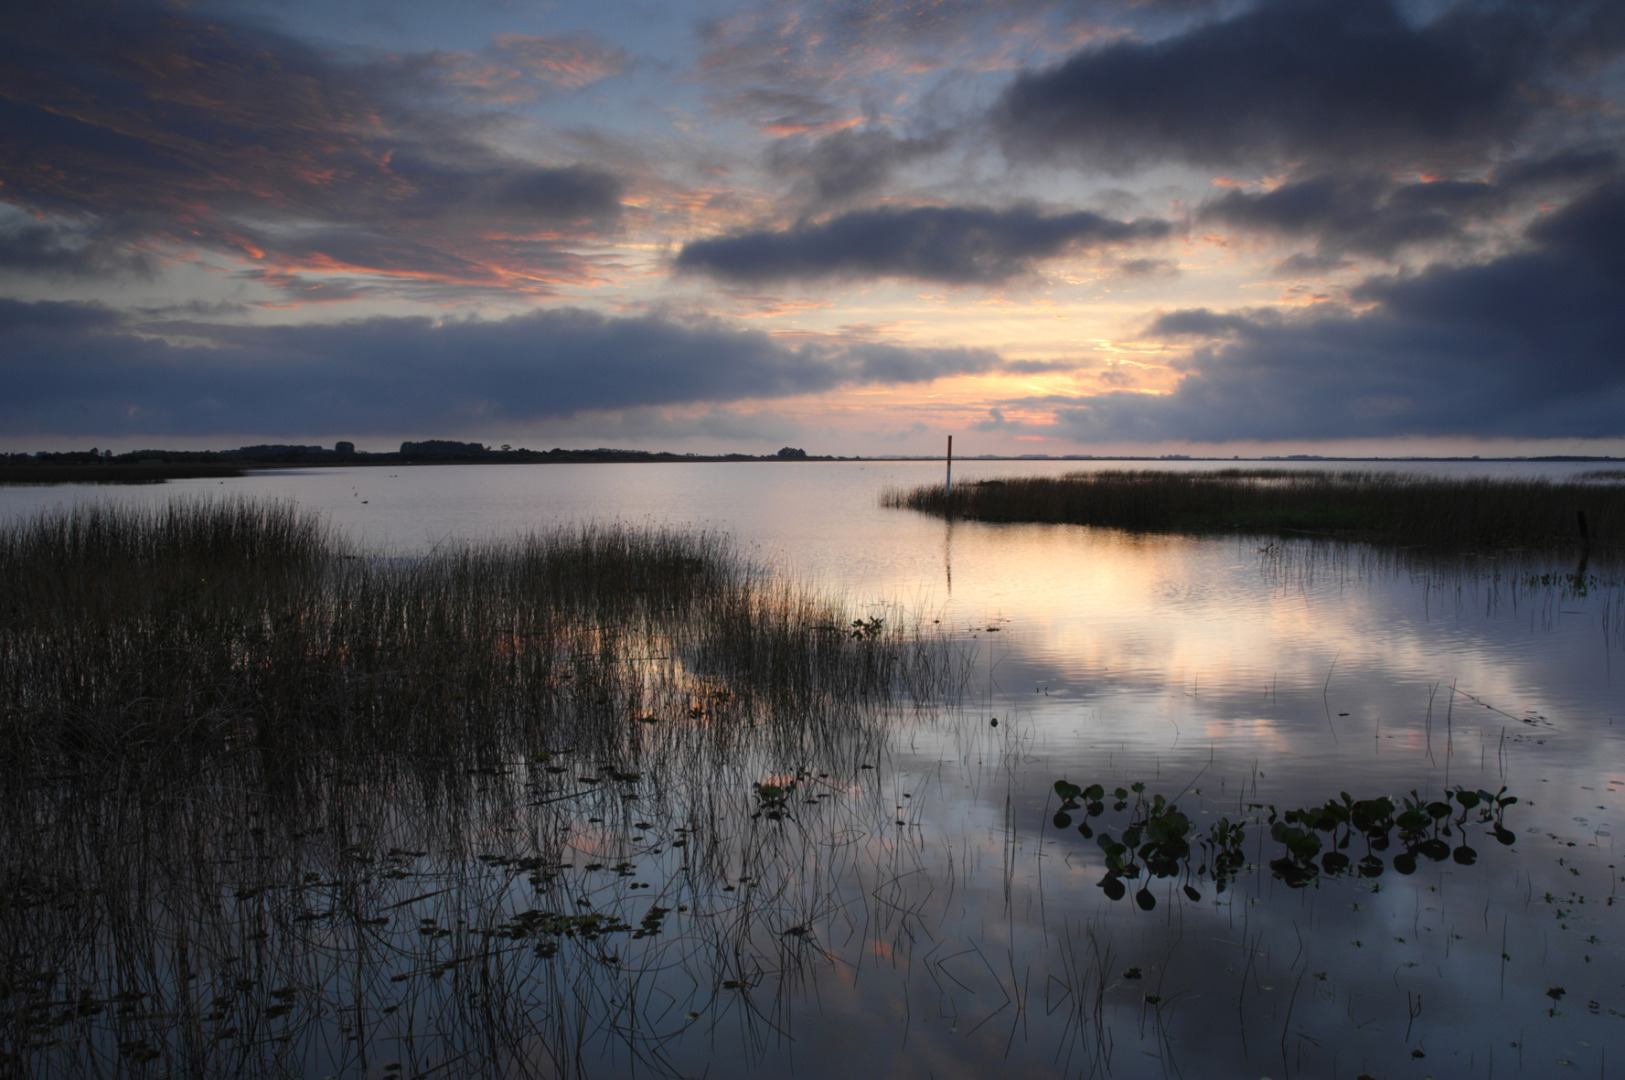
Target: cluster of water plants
[1441,513]
[1156,840]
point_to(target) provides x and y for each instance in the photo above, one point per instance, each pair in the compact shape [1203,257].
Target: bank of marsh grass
[128,635]
[1446,513]
[252,780]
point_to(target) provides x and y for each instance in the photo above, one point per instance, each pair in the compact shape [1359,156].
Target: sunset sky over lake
[1147,226]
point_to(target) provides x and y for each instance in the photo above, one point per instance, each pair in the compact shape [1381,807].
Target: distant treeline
[26,472]
[96,466]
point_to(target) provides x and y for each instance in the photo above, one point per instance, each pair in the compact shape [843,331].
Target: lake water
[950,928]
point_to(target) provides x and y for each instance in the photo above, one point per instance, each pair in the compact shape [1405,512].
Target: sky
[850,226]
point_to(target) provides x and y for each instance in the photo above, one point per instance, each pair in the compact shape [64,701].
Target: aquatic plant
[1453,513]
[270,804]
[1312,839]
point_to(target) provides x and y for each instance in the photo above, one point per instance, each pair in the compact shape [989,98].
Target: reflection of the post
[948,552]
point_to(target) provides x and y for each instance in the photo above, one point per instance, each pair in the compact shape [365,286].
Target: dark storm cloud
[71,368]
[794,68]
[1362,214]
[959,245]
[1571,166]
[192,133]
[849,162]
[576,193]
[1527,345]
[1316,80]
[1148,268]
[1370,214]
[47,247]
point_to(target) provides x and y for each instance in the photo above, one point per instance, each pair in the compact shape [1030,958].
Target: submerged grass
[1444,513]
[272,806]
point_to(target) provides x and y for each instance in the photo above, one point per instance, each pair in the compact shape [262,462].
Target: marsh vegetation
[1448,514]
[270,805]
[605,800]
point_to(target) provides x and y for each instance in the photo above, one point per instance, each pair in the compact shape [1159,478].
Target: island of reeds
[1442,513]
[270,805]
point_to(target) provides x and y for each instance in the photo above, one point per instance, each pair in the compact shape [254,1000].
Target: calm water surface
[953,930]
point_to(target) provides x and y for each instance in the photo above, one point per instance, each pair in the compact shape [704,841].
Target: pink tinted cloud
[520,68]
[187,136]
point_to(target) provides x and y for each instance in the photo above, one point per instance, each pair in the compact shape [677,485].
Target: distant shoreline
[157,466]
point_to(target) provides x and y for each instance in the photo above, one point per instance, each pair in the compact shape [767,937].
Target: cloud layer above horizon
[1060,226]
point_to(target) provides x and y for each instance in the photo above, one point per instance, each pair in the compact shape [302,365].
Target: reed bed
[272,806]
[1460,514]
[168,635]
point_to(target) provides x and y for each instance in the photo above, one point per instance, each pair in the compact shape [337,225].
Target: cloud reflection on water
[974,937]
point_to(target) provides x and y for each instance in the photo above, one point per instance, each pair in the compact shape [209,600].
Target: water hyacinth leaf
[1411,821]
[1314,838]
[1295,874]
[1434,849]
[1145,900]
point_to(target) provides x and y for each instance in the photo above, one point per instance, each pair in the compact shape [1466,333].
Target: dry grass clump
[1438,512]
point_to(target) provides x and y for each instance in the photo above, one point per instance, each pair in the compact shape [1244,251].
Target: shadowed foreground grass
[271,806]
[1424,511]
